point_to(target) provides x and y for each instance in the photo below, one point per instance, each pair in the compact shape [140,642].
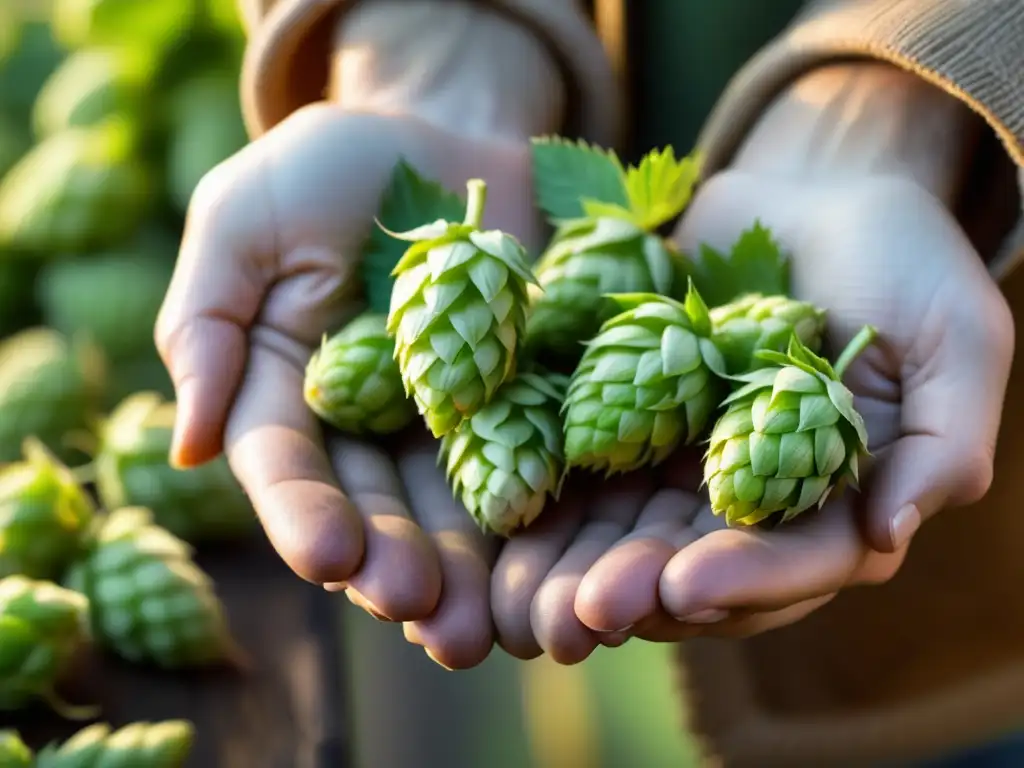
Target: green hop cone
[647,382]
[788,437]
[588,259]
[93,85]
[114,298]
[458,314]
[44,515]
[50,387]
[78,190]
[149,602]
[353,382]
[14,753]
[754,323]
[139,745]
[507,458]
[42,625]
[131,466]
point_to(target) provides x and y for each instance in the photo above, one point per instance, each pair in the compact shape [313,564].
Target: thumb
[214,296]
[944,456]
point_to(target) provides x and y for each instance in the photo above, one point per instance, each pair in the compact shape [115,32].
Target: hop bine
[646,383]
[458,313]
[44,515]
[507,459]
[754,323]
[148,601]
[353,382]
[788,437]
[42,625]
[140,745]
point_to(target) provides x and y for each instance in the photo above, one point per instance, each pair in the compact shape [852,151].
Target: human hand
[872,240]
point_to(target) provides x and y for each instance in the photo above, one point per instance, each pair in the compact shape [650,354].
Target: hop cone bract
[139,745]
[78,190]
[353,381]
[646,383]
[587,259]
[49,387]
[44,514]
[148,601]
[788,437]
[753,323]
[14,753]
[507,459]
[458,313]
[41,627]
[198,504]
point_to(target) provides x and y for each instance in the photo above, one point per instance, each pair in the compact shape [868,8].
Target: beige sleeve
[972,49]
[292,42]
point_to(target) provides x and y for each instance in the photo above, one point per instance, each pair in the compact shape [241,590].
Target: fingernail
[706,616]
[434,659]
[336,586]
[610,640]
[613,631]
[184,406]
[904,524]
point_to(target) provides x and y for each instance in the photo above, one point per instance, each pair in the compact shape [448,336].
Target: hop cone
[787,438]
[646,383]
[92,85]
[587,259]
[149,601]
[507,459]
[353,381]
[458,313]
[132,470]
[139,745]
[753,323]
[44,515]
[89,295]
[41,627]
[78,190]
[49,387]
[13,751]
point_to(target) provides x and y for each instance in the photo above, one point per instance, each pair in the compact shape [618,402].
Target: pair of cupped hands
[268,264]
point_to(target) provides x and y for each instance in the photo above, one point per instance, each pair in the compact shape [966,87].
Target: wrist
[455,65]
[861,120]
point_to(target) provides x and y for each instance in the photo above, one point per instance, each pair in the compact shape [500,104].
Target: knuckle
[976,475]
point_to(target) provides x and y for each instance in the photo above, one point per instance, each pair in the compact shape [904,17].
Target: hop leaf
[755,264]
[565,173]
[409,200]
[660,187]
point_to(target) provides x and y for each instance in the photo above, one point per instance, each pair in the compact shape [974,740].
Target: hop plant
[44,514]
[140,745]
[149,602]
[353,382]
[50,387]
[458,313]
[507,459]
[91,85]
[646,383]
[131,467]
[14,753]
[588,259]
[42,625]
[606,240]
[754,323]
[79,190]
[788,437]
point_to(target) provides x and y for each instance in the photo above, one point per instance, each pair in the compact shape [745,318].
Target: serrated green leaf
[660,187]
[595,209]
[409,201]
[565,172]
[755,264]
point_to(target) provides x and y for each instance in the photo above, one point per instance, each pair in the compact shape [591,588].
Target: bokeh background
[110,113]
